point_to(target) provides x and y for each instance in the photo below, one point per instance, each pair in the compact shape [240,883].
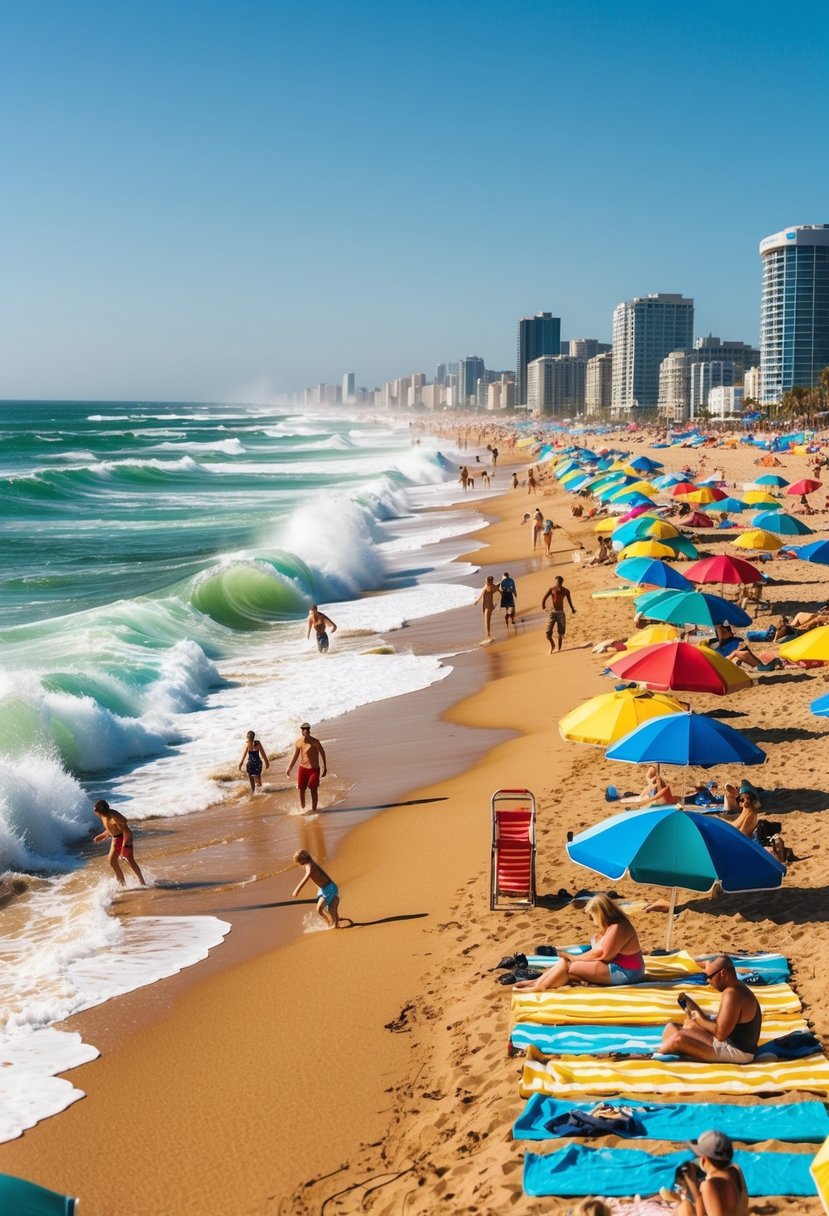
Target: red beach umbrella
[682,487]
[681,667]
[723,569]
[806,485]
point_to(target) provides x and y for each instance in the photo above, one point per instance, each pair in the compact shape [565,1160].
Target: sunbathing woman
[744,656]
[615,956]
[657,792]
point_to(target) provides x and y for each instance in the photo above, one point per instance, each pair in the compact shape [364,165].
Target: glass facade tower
[537,336]
[794,320]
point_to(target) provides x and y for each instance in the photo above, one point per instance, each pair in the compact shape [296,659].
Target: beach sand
[366,1070]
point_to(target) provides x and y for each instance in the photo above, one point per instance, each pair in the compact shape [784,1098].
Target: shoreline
[377,1065]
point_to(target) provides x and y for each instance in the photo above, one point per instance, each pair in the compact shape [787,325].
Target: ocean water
[158,566]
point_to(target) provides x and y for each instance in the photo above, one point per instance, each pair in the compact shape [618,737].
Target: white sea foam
[230,447]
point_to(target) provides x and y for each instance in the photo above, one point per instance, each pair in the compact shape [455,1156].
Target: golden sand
[366,1070]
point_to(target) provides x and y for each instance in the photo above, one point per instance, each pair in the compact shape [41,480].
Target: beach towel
[581,1170]
[797,1043]
[648,1076]
[680,965]
[635,1006]
[805,1122]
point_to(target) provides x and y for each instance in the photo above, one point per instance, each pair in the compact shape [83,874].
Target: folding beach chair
[28,1199]
[512,867]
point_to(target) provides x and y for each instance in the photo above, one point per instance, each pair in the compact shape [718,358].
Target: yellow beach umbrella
[606,525]
[651,635]
[758,538]
[819,1169]
[621,467]
[660,529]
[760,498]
[647,548]
[612,715]
[638,487]
[704,495]
[813,645]
[733,676]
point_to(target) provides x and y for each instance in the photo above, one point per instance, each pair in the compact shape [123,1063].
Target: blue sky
[232,200]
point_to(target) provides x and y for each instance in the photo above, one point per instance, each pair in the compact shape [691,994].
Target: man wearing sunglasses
[729,1036]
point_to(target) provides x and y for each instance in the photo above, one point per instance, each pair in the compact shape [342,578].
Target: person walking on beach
[538,527]
[320,623]
[532,487]
[486,598]
[509,594]
[464,478]
[548,535]
[255,754]
[328,903]
[558,594]
[312,765]
[117,828]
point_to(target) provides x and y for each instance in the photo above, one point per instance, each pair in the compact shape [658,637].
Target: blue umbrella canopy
[670,847]
[771,479]
[665,480]
[644,464]
[685,738]
[652,572]
[817,551]
[728,506]
[690,608]
[781,523]
[681,544]
[820,706]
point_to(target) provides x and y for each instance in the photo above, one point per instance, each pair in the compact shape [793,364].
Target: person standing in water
[311,755]
[328,894]
[320,623]
[486,598]
[117,828]
[255,754]
[509,594]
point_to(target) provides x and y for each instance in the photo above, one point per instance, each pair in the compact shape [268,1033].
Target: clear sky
[228,200]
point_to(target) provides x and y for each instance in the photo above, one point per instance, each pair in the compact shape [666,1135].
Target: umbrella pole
[669,926]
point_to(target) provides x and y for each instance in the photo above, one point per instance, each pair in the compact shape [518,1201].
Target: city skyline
[206,202]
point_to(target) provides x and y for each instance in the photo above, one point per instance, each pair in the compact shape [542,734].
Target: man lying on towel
[731,1035]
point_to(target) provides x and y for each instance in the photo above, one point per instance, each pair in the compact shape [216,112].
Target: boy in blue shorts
[328,902]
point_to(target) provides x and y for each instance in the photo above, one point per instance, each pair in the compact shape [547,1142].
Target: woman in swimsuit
[254,753]
[615,956]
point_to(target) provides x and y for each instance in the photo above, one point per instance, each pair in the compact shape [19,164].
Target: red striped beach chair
[512,867]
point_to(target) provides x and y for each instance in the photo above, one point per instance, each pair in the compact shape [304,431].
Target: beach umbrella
[772,479]
[667,846]
[684,545]
[819,1169]
[681,667]
[665,480]
[817,551]
[605,525]
[705,495]
[636,486]
[641,509]
[781,524]
[698,519]
[647,548]
[681,488]
[760,498]
[723,569]
[690,608]
[651,635]
[686,739]
[23,1198]
[611,715]
[729,506]
[632,498]
[644,464]
[806,485]
[574,479]
[651,572]
[644,527]
[810,646]
[756,538]
[820,706]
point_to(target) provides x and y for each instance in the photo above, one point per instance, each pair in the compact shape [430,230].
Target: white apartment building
[645,331]
[726,401]
[555,385]
[706,376]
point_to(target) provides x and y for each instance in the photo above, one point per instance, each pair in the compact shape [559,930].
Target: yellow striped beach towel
[563,1077]
[633,1006]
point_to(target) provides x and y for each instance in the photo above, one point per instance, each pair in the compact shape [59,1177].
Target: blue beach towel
[580,1170]
[797,1122]
[587,1040]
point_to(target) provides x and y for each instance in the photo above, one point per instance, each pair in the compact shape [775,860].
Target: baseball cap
[716,1146]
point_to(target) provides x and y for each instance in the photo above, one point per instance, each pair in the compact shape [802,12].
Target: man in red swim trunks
[312,765]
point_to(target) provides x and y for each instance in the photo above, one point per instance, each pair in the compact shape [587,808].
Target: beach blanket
[679,965]
[635,1006]
[805,1122]
[794,1044]
[648,1076]
[581,1170]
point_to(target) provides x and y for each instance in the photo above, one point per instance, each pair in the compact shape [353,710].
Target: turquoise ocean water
[158,564]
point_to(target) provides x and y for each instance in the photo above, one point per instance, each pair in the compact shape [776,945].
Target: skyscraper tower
[645,331]
[537,336]
[794,318]
[349,387]
[470,370]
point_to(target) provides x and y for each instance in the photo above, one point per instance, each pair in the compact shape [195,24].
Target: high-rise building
[537,336]
[555,385]
[586,348]
[598,383]
[712,350]
[440,373]
[704,377]
[470,371]
[645,331]
[674,402]
[751,383]
[794,318]
[724,401]
[349,387]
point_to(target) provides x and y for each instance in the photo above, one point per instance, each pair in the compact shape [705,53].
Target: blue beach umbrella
[686,739]
[665,480]
[670,847]
[728,506]
[652,572]
[820,706]
[690,608]
[817,551]
[634,498]
[644,464]
[681,544]
[771,479]
[781,524]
